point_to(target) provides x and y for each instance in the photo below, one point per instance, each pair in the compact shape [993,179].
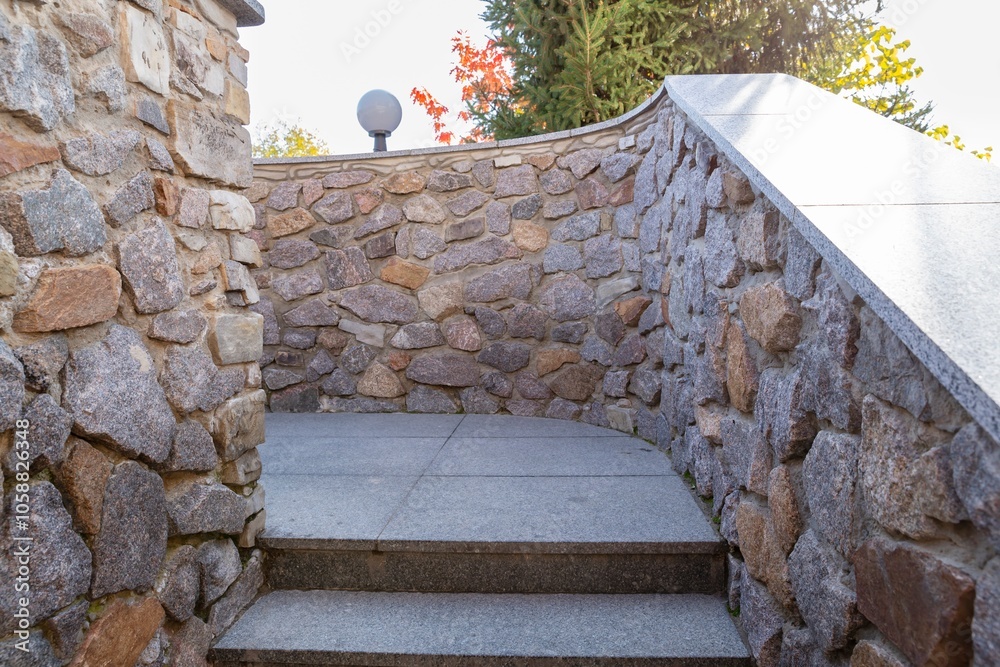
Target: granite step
[286,628]
[479,504]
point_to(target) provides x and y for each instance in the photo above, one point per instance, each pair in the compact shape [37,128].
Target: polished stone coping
[909,223]
[450,630]
[248,13]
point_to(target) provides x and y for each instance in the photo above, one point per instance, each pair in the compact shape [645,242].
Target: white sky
[309,65]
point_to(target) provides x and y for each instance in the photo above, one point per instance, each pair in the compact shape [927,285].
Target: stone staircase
[479,540]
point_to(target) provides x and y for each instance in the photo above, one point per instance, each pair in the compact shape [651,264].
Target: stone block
[512,281]
[335,208]
[229,211]
[490,250]
[96,154]
[179,584]
[762,553]
[380,382]
[193,450]
[891,442]
[375,303]
[403,273]
[742,379]
[424,208]
[238,426]
[450,370]
[62,217]
[132,541]
[144,50]
[919,602]
[467,202]
[38,87]
[70,297]
[441,300]
[219,566]
[238,597]
[131,199]
[828,607]
[975,460]
[18,154]
[209,146]
[121,634]
[567,298]
[576,383]
[763,621]
[504,356]
[427,400]
[771,317]
[82,475]
[236,338]
[60,561]
[349,179]
[111,389]
[513,181]
[194,508]
[830,477]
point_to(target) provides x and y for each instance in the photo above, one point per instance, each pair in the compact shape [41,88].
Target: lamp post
[379,112]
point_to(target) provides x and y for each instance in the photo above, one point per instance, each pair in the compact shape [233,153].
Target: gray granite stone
[507,357]
[423,399]
[151,274]
[291,253]
[516,627]
[467,202]
[96,154]
[562,257]
[578,228]
[132,541]
[204,508]
[569,332]
[567,298]
[519,180]
[976,460]
[38,88]
[486,251]
[60,559]
[111,389]
[131,199]
[62,217]
[450,370]
[347,268]
[509,281]
[375,303]
[219,565]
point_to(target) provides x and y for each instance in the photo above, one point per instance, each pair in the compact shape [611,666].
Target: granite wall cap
[248,13]
[913,233]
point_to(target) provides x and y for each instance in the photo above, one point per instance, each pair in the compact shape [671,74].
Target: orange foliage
[483,73]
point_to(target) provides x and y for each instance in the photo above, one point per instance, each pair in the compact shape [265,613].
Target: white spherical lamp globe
[379,113]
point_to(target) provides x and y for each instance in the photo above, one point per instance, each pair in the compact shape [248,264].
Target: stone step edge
[471,547]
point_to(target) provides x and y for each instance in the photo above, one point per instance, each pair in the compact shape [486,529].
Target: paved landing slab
[550,514]
[287,426]
[368,456]
[454,629]
[509,426]
[317,511]
[549,456]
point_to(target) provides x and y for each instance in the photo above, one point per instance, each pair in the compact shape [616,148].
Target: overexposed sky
[313,59]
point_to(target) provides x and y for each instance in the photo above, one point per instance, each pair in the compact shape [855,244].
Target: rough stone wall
[643,281]
[482,281]
[130,403]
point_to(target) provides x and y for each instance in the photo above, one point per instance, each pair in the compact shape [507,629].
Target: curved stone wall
[130,400]
[633,275]
[493,278]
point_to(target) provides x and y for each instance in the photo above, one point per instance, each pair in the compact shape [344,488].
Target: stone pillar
[130,400]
